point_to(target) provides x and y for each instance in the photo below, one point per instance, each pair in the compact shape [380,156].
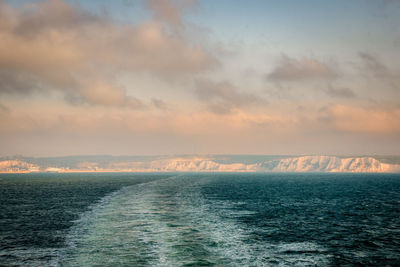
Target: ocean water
[122,219]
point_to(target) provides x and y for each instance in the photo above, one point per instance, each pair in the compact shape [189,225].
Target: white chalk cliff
[210,164]
[329,164]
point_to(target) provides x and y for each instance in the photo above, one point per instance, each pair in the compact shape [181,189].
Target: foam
[169,223]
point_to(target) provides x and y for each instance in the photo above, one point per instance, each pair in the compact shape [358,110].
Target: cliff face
[17,166]
[210,164]
[200,164]
[330,164]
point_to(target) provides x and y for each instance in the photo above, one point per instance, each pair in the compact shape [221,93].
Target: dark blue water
[200,220]
[36,210]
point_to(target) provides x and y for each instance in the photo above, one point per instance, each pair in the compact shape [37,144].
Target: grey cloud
[59,46]
[220,108]
[53,15]
[74,98]
[124,101]
[17,83]
[291,69]
[133,102]
[340,92]
[158,103]
[223,97]
[373,65]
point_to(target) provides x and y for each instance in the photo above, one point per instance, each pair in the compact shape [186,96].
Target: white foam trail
[234,243]
[168,222]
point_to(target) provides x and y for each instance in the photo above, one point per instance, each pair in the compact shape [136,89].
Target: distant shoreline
[195,163]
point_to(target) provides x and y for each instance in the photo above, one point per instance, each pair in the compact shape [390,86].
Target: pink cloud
[60,46]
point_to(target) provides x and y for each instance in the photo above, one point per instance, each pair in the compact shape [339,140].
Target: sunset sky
[199,77]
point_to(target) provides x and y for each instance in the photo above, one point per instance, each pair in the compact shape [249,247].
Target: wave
[169,223]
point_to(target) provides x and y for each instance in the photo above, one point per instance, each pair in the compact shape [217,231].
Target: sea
[199,219]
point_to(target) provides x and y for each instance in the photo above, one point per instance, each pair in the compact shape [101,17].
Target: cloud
[14,82]
[373,65]
[55,45]
[92,120]
[51,15]
[105,94]
[340,92]
[223,97]
[58,128]
[158,103]
[170,11]
[291,69]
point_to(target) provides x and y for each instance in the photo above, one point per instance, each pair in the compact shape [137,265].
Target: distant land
[201,163]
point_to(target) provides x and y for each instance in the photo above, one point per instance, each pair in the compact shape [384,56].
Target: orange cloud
[59,46]
[169,11]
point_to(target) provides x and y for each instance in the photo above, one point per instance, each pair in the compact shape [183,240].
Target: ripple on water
[170,223]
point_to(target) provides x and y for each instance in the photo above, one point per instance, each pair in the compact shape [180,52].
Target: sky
[161,77]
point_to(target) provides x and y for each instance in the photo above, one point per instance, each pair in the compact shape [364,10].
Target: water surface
[200,219]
